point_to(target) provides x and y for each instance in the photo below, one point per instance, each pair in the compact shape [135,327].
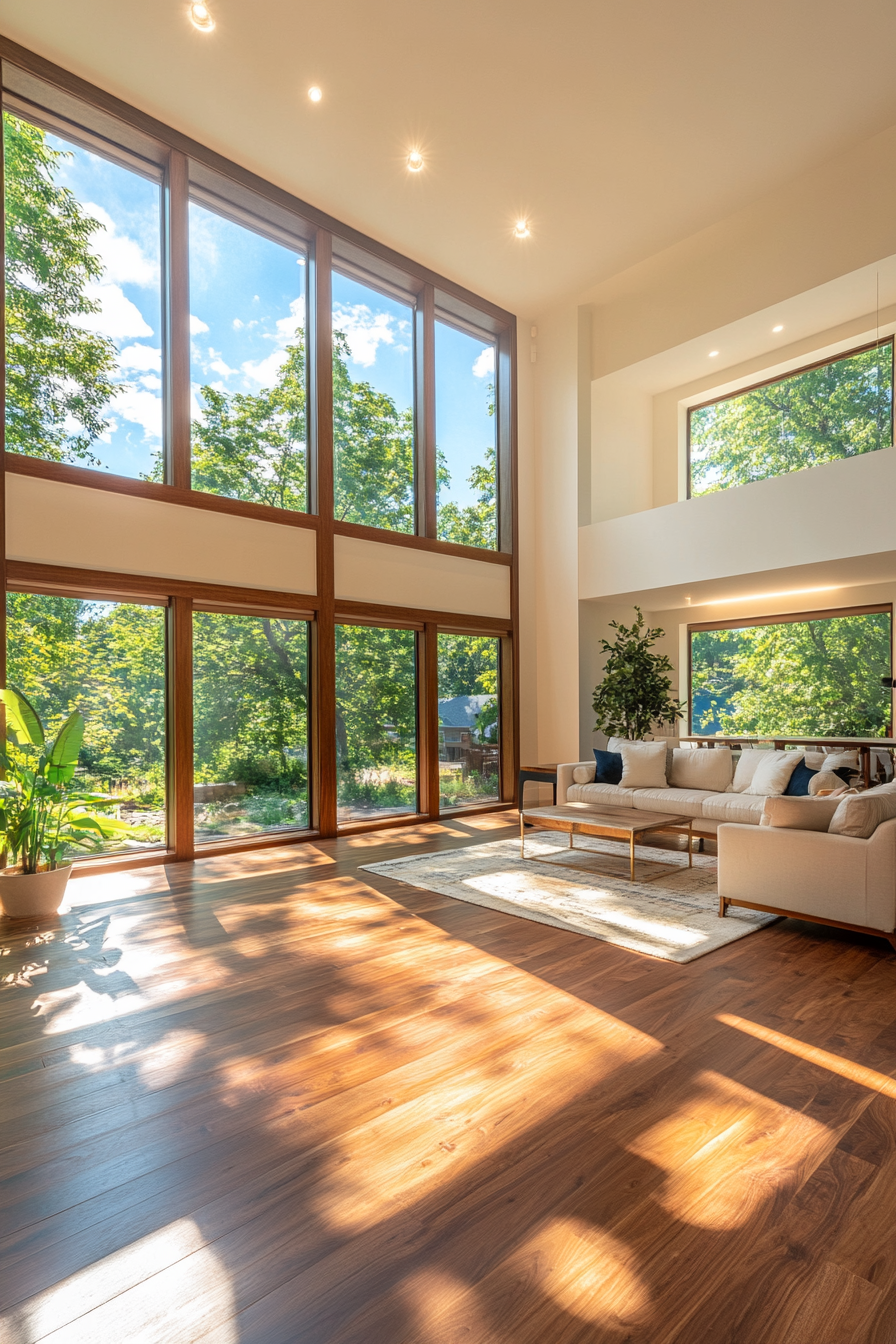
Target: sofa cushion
[824,780]
[772,775]
[599,794]
[607,767]
[748,763]
[800,780]
[860,814]
[643,765]
[687,802]
[705,768]
[742,807]
[799,813]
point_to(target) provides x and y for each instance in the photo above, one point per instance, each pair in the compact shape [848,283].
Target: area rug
[674,917]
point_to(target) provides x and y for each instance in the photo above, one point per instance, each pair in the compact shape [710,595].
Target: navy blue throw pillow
[799,781]
[609,766]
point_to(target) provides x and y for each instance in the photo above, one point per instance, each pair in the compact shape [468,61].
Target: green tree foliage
[58,375]
[253,446]
[838,410]
[374,451]
[106,660]
[250,700]
[635,693]
[800,679]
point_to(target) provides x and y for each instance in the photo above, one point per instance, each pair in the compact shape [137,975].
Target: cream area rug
[674,917]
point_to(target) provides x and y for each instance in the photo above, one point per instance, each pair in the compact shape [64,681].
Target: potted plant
[42,815]
[636,692]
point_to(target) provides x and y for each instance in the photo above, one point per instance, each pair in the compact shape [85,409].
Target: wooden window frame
[35,87]
[785,377]
[788,618]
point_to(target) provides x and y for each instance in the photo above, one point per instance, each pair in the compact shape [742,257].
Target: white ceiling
[617,128]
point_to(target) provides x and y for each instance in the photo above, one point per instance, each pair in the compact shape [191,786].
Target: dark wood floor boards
[324,1106]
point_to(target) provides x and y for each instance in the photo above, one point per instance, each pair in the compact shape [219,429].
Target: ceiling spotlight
[315,94]
[521,229]
[713,353]
[415,161]
[779,327]
[201,18]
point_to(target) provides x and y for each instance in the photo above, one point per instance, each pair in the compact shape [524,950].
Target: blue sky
[247,301]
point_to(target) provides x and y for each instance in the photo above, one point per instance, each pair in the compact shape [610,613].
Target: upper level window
[466,466]
[814,675]
[839,408]
[83,305]
[247,363]
[373,406]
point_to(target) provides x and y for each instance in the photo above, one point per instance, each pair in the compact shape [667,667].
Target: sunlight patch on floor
[728,1150]
[587,1272]
[149,1284]
[845,1068]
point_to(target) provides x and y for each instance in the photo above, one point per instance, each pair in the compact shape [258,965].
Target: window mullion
[425,413]
[320,438]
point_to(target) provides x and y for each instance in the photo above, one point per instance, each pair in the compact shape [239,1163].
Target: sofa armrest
[565,779]
[811,872]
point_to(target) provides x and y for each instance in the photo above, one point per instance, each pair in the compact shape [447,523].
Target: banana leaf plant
[43,813]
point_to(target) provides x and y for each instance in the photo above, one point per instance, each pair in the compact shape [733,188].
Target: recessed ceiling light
[201,18]
[315,94]
[779,327]
[521,229]
[415,161]
[713,353]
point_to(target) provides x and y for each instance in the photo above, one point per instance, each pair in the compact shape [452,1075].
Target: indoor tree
[636,692]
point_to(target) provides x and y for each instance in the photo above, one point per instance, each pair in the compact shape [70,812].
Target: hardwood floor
[273,1099]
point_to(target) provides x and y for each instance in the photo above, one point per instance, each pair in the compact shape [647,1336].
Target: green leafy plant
[635,694]
[42,814]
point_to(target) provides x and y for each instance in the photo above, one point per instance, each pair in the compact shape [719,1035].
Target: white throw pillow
[799,814]
[705,768]
[584,774]
[827,780]
[772,775]
[643,765]
[860,814]
[839,760]
[749,762]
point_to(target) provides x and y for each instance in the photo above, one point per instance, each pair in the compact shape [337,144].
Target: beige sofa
[707,807]
[833,879]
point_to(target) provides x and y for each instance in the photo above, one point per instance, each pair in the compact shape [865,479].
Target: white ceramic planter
[33,895]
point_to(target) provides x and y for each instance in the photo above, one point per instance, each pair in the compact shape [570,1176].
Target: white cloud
[218,364]
[288,326]
[117,318]
[485,364]
[265,371]
[124,260]
[364,330]
[140,357]
[197,325]
[151,381]
[237,324]
[141,408]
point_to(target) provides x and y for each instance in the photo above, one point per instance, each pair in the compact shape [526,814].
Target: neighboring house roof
[461,711]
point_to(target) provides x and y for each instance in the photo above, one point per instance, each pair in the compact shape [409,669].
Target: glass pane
[247,367]
[801,679]
[841,409]
[466,495]
[376,722]
[250,724]
[106,659]
[373,406]
[83,306]
[469,755]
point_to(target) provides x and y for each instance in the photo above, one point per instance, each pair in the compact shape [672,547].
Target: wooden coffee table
[610,823]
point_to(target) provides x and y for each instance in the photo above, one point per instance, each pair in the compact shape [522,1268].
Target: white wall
[837,511]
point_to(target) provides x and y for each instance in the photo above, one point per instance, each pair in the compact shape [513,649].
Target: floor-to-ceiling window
[194,346]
